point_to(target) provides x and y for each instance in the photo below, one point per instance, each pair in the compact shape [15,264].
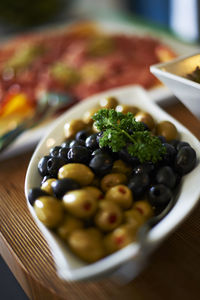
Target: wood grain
[172,273]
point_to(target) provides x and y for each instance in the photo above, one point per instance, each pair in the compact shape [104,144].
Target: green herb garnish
[122,130]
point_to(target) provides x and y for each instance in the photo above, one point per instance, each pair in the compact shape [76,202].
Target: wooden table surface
[173,271]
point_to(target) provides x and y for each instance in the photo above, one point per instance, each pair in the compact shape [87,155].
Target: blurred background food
[84,59]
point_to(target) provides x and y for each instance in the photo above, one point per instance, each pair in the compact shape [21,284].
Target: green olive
[167,129]
[108,102]
[126,108]
[121,195]
[79,172]
[111,180]
[49,211]
[87,244]
[46,186]
[134,217]
[68,225]
[72,127]
[87,117]
[144,208]
[119,238]
[146,118]
[80,203]
[95,192]
[108,216]
[119,166]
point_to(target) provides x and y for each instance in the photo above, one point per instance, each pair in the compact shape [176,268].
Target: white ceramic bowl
[173,75]
[69,267]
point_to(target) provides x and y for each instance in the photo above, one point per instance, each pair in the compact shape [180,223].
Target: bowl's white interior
[70,267]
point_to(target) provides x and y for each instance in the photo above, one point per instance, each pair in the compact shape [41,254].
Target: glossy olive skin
[108,216]
[91,142]
[80,203]
[111,180]
[146,118]
[62,186]
[101,164]
[134,217]
[138,184]
[79,172]
[159,196]
[47,187]
[42,165]
[72,127]
[185,160]
[119,238]
[35,193]
[68,225]
[108,102]
[166,176]
[87,244]
[144,208]
[121,195]
[79,154]
[167,129]
[53,165]
[49,211]
[124,109]
[95,192]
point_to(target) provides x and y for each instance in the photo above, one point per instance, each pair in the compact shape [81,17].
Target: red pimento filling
[100,197]
[122,190]
[87,206]
[112,218]
[140,210]
[119,240]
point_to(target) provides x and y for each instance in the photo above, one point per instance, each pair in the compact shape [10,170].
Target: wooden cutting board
[172,273]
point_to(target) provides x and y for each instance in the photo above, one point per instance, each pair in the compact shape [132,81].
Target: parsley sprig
[122,130]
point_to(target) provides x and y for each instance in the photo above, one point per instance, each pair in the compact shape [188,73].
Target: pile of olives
[96,200]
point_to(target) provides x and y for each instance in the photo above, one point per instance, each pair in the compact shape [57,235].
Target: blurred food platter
[76,61]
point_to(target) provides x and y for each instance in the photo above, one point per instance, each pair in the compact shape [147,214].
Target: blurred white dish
[70,267]
[173,75]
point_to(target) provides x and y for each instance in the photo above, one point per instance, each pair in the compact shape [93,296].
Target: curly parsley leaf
[122,130]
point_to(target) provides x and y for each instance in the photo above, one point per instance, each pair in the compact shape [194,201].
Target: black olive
[34,193]
[75,143]
[91,142]
[63,153]
[54,164]
[79,154]
[125,156]
[98,151]
[147,167]
[166,176]
[138,184]
[169,156]
[62,186]
[181,144]
[185,160]
[66,143]
[81,135]
[101,164]
[47,177]
[174,143]
[42,166]
[159,196]
[54,151]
